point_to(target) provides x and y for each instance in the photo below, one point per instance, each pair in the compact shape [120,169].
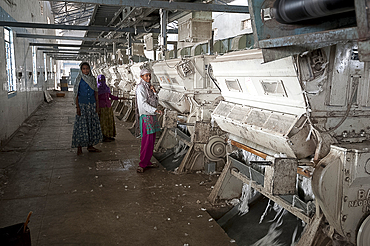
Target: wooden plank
[253,151]
[303,172]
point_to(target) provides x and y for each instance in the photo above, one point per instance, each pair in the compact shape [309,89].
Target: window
[233,85]
[10,59]
[274,88]
[34,65]
[46,69]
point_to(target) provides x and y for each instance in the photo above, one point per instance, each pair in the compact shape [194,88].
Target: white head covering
[144,71]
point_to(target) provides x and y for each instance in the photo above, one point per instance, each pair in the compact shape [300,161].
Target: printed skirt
[107,124]
[86,130]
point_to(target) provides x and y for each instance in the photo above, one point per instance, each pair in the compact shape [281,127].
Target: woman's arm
[115,97]
[78,110]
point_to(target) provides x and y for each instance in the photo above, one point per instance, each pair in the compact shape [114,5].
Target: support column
[130,48]
[114,52]
[163,34]
[210,44]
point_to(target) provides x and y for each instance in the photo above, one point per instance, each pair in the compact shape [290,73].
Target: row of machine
[294,110]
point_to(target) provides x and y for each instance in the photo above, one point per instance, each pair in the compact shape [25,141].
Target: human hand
[159,111]
[152,88]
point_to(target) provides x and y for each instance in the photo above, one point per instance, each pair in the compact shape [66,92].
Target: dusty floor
[87,200]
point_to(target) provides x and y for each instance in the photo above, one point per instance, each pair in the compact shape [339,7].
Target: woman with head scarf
[86,130]
[147,103]
[106,115]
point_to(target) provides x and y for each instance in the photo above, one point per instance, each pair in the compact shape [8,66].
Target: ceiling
[71,13]
[140,18]
[112,16]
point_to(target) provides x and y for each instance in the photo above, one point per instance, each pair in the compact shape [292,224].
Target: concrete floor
[87,200]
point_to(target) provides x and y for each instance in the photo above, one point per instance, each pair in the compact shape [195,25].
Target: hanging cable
[147,30]
[349,106]
[212,78]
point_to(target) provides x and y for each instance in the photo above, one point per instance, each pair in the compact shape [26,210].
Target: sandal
[140,169]
[92,149]
[153,165]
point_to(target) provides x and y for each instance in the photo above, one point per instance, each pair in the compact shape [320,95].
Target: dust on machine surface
[282,114]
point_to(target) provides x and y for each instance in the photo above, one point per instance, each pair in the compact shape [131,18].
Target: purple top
[104,100]
[102,86]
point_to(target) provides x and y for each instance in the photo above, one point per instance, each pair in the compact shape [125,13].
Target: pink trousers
[147,147]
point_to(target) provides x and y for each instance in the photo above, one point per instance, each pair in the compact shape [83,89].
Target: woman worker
[86,130]
[106,115]
[147,102]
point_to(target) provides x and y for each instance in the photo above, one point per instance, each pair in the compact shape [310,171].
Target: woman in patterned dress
[86,130]
[147,103]
[106,115]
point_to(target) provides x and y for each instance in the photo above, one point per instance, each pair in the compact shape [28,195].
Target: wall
[15,108]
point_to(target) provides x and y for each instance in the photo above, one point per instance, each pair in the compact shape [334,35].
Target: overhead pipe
[291,11]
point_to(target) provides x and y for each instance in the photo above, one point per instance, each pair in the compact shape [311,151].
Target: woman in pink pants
[147,103]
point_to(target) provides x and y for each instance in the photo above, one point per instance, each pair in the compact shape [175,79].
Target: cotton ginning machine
[313,105]
[189,97]
[115,76]
[127,82]
[126,86]
[304,113]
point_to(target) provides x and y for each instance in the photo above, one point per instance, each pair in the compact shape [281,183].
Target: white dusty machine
[127,82]
[299,112]
[115,76]
[189,97]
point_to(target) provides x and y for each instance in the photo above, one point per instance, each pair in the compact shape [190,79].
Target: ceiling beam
[71,50]
[79,27]
[37,36]
[182,6]
[66,53]
[67,59]
[75,11]
[79,20]
[73,45]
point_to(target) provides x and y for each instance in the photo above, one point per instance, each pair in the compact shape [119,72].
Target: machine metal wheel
[215,149]
[363,236]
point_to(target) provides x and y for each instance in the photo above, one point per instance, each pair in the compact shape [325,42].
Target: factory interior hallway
[98,198]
